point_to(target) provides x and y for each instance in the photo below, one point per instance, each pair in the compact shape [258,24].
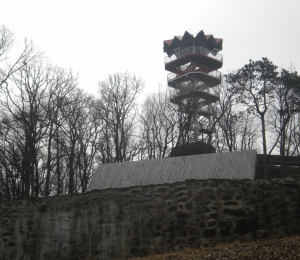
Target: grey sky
[101,37]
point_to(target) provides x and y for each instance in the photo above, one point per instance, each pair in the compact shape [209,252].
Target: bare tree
[117,108]
[254,85]
[247,131]
[74,113]
[11,147]
[62,83]
[228,121]
[159,125]
[285,105]
[7,67]
[25,95]
[88,139]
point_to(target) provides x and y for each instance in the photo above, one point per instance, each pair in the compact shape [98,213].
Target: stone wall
[118,223]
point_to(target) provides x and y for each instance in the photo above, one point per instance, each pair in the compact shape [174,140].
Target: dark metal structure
[193,63]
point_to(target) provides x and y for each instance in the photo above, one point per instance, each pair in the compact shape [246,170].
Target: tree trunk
[47,188]
[263,130]
[58,164]
[71,173]
[282,152]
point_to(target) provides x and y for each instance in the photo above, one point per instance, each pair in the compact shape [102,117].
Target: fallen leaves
[283,248]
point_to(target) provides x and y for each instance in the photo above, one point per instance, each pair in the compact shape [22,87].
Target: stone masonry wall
[118,223]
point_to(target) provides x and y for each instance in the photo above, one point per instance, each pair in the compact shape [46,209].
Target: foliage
[254,86]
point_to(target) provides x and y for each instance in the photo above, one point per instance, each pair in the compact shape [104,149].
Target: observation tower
[193,63]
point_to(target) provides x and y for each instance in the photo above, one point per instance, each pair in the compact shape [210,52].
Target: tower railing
[194,50]
[216,74]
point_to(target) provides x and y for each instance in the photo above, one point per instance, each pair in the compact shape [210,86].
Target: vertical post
[153,142]
[299,126]
[193,46]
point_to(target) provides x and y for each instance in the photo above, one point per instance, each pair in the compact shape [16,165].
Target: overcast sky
[96,38]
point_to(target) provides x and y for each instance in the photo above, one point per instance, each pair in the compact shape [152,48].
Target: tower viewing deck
[194,62]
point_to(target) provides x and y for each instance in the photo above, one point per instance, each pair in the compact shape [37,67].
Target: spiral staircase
[193,63]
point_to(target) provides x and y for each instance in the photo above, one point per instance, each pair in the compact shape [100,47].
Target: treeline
[53,135]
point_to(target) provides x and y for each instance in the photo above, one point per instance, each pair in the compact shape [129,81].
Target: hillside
[283,248]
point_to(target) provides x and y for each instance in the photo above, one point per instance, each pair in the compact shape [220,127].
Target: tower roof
[178,41]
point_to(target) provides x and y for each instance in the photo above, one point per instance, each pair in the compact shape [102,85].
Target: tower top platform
[207,41]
